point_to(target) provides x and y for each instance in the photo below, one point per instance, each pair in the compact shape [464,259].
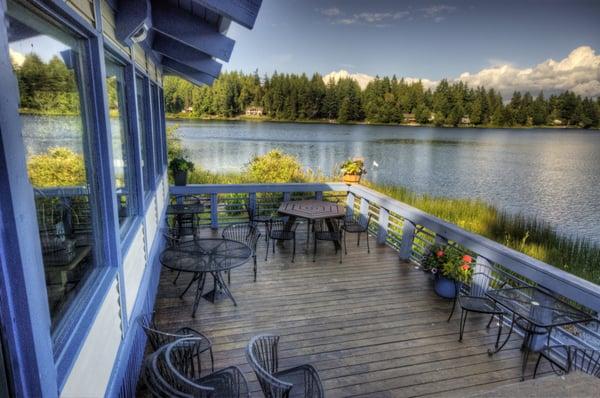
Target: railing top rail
[252,188]
[553,278]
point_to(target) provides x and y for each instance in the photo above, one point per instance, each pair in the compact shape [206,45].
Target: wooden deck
[372,326]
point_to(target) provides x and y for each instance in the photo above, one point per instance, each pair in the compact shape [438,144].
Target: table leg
[498,348]
[194,279]
[199,288]
[525,352]
[331,227]
[219,287]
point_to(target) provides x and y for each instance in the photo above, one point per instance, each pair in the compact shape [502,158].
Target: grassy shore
[525,234]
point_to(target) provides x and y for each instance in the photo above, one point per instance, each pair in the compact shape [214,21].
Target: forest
[292,97]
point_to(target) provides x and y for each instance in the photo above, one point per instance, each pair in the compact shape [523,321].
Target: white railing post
[214,211]
[287,196]
[408,237]
[350,205]
[319,195]
[364,211]
[252,202]
[382,230]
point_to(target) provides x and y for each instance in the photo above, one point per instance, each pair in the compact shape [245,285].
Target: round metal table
[206,256]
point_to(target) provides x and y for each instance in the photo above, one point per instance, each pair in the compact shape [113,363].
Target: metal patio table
[207,256]
[182,210]
[537,312]
[312,210]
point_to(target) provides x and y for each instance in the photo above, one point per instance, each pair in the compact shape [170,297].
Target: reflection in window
[47,64]
[156,124]
[145,147]
[122,159]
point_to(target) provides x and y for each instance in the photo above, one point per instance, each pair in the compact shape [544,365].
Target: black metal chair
[279,231]
[174,239]
[355,225]
[187,224]
[472,298]
[331,232]
[245,233]
[159,338]
[300,381]
[255,217]
[569,357]
[172,371]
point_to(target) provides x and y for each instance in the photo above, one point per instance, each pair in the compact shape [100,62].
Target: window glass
[47,65]
[156,122]
[145,144]
[121,143]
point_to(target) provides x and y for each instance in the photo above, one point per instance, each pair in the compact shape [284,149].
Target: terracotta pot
[351,178]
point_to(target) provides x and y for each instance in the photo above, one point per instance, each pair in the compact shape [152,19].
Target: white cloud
[329,12]
[578,72]
[16,57]
[437,10]
[377,19]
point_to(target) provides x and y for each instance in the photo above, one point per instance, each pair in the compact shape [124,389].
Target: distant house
[409,118]
[431,117]
[465,120]
[557,122]
[254,111]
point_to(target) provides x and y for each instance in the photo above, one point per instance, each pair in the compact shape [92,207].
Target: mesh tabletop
[538,307]
[181,209]
[206,255]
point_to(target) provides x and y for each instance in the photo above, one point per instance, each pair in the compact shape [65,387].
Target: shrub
[59,166]
[275,166]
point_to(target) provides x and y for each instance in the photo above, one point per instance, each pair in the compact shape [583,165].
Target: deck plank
[372,325]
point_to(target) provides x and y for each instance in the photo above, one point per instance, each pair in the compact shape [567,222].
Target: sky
[426,40]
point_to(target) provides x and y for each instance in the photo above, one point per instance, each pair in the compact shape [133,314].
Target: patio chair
[173,239]
[300,381]
[172,371]
[356,225]
[245,233]
[255,217]
[322,232]
[279,231]
[569,357]
[187,224]
[472,298]
[159,338]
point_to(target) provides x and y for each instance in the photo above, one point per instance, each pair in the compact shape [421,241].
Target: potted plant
[179,168]
[450,269]
[352,170]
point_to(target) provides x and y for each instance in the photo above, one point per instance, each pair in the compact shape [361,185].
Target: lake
[553,174]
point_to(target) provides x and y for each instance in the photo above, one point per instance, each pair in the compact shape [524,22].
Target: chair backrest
[186,200]
[357,218]
[279,224]
[156,337]
[245,233]
[585,360]
[157,378]
[262,356]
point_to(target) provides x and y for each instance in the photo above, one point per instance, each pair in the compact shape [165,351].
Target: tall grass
[526,234]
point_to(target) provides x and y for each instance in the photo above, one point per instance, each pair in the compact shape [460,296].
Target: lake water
[553,174]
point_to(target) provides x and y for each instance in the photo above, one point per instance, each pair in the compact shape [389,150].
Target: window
[156,120]
[121,142]
[47,63]
[145,137]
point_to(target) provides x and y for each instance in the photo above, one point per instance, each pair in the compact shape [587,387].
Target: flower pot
[180,178]
[444,287]
[350,178]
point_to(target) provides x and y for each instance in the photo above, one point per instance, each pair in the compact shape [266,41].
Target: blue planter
[444,287]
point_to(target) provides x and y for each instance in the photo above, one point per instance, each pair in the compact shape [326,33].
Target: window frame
[150,144]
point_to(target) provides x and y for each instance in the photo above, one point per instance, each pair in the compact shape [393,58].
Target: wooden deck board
[372,325]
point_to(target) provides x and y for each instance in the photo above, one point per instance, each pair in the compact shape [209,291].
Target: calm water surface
[549,173]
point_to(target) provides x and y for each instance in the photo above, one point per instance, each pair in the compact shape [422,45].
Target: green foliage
[275,166]
[180,164]
[57,167]
[384,100]
[353,167]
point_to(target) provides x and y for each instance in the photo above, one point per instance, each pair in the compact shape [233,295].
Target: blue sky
[421,39]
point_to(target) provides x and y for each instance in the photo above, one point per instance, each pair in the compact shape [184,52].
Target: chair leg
[368,248]
[294,249]
[537,365]
[500,323]
[463,321]
[340,252]
[176,277]
[314,250]
[358,240]
[490,322]
[212,360]
[452,311]
[345,247]
[255,267]
[267,252]
[229,277]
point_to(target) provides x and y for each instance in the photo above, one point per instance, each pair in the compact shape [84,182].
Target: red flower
[466,267]
[467,259]
[439,253]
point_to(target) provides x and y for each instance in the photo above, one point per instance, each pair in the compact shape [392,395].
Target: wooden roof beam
[191,74]
[186,55]
[243,12]
[191,31]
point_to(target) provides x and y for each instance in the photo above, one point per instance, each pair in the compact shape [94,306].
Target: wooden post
[364,211]
[214,211]
[287,196]
[350,205]
[384,216]
[319,195]
[252,203]
[408,236]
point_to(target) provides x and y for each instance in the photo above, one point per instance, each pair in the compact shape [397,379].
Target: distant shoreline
[264,119]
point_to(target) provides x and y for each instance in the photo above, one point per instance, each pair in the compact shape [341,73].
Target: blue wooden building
[81,85]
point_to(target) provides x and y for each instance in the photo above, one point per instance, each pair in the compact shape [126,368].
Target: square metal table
[537,312]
